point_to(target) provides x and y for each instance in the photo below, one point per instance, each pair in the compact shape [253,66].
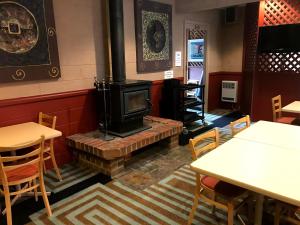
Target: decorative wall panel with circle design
[28,46]
[19,31]
[153,22]
[155,33]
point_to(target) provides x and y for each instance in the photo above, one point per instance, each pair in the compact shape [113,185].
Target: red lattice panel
[251,32]
[279,62]
[195,64]
[197,33]
[278,12]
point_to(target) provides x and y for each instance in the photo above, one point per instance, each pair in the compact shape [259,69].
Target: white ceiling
[186,6]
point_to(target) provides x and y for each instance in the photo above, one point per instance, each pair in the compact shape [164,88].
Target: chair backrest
[276,107]
[239,125]
[47,120]
[204,143]
[26,155]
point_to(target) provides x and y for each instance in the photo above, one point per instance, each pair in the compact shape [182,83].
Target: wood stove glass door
[135,101]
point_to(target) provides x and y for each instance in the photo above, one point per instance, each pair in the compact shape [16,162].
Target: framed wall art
[28,45]
[195,50]
[153,24]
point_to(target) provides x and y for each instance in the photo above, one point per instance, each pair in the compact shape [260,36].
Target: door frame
[203,26]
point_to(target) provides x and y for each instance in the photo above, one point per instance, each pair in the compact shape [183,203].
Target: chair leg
[194,208]
[44,195]
[230,214]
[35,191]
[7,205]
[250,210]
[55,165]
[45,169]
[277,214]
[213,208]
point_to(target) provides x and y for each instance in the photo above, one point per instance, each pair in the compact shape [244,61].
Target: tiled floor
[154,163]
[147,167]
[157,184]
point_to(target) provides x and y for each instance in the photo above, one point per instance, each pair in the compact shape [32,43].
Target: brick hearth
[109,156]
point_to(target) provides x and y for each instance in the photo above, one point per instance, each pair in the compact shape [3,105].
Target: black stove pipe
[117,40]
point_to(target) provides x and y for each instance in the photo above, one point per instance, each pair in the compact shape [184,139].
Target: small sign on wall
[178,58]
[169,74]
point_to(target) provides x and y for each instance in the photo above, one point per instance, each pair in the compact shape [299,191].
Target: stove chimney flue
[117,40]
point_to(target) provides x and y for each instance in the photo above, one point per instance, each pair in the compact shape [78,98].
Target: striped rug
[71,173]
[167,202]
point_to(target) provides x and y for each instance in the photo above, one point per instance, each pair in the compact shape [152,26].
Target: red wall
[271,83]
[156,96]
[75,111]
[261,73]
[268,85]
[215,89]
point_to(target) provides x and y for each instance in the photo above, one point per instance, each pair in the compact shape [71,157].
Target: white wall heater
[229,91]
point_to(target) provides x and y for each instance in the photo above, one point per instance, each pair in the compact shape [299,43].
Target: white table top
[278,134]
[266,169]
[26,132]
[293,107]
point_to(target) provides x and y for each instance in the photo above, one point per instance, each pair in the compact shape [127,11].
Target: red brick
[104,154]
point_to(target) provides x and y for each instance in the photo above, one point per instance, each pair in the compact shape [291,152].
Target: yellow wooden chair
[277,113]
[240,124]
[49,121]
[22,171]
[211,189]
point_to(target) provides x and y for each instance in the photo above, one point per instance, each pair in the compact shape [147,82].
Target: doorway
[196,60]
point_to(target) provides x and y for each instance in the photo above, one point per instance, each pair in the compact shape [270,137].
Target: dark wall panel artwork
[28,45]
[153,22]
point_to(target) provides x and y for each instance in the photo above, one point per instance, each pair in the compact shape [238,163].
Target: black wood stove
[129,100]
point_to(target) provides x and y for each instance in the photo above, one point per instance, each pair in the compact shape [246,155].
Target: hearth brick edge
[109,156]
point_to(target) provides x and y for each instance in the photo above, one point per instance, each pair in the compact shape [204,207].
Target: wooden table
[278,134]
[263,168]
[19,134]
[293,107]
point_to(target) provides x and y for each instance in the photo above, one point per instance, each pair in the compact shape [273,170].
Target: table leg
[259,209]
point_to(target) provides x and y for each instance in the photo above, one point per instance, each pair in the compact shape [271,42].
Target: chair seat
[221,187]
[21,173]
[287,120]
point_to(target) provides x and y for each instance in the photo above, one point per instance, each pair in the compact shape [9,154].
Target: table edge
[247,187]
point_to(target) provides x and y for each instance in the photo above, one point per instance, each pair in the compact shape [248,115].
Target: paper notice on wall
[169,74]
[178,58]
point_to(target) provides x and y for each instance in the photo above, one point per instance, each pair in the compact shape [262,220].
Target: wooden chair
[277,114]
[49,121]
[211,189]
[21,171]
[237,125]
[287,213]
